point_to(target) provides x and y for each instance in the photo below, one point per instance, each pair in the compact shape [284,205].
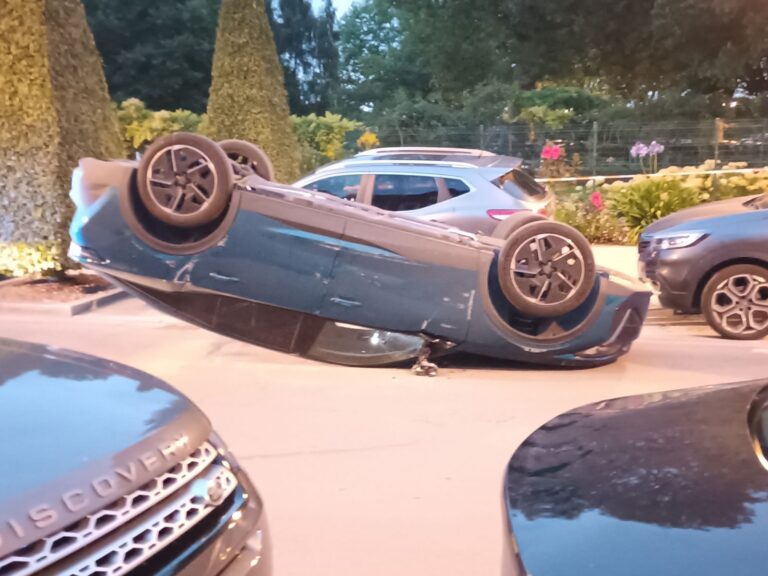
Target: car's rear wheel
[546,269]
[515,221]
[185,180]
[248,158]
[735,302]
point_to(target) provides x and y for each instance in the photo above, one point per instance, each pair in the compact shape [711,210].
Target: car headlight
[683,240]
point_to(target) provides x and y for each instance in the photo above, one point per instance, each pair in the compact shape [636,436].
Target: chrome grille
[163,527]
[101,524]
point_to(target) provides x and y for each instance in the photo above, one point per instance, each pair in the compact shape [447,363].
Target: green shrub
[55,109]
[139,126]
[325,134]
[597,224]
[248,98]
[645,200]
[23,259]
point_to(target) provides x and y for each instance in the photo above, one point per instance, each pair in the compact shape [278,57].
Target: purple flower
[639,150]
[654,148]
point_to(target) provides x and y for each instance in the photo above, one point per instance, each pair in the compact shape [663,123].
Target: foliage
[598,225]
[24,259]
[543,116]
[139,126]
[325,134]
[54,111]
[307,45]
[248,98]
[368,140]
[159,52]
[645,200]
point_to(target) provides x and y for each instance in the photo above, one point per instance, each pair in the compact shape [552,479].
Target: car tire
[735,302]
[515,221]
[546,269]
[185,180]
[248,158]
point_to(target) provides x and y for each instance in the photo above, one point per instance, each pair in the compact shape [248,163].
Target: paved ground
[376,471]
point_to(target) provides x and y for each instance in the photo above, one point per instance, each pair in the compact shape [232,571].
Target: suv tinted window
[456,187]
[396,192]
[346,187]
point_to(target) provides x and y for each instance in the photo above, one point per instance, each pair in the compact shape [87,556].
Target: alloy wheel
[548,269]
[181,180]
[740,304]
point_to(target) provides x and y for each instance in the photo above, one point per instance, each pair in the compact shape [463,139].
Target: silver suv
[471,189]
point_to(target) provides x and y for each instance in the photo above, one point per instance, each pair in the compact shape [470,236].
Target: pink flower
[551,152]
[597,200]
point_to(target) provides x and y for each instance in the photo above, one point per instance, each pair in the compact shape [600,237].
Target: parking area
[377,471]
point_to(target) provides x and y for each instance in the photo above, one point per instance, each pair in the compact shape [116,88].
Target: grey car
[108,471]
[713,259]
[470,189]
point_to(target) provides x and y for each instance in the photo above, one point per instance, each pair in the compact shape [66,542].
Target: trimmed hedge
[248,98]
[55,109]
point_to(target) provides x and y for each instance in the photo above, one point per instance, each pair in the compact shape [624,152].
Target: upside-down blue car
[200,230]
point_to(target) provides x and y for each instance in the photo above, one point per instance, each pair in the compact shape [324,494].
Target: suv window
[398,192]
[346,187]
[456,187]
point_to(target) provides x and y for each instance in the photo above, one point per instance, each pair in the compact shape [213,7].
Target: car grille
[116,539]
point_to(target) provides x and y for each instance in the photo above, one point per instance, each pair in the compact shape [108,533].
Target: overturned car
[200,230]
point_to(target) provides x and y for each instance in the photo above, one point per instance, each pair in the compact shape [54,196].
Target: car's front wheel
[546,269]
[185,180]
[735,302]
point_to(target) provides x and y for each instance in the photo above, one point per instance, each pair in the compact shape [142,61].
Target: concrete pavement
[376,471]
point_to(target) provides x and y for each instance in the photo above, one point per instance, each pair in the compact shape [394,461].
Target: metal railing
[604,148]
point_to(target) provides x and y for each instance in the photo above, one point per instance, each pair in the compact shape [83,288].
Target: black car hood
[659,484]
[67,420]
[702,212]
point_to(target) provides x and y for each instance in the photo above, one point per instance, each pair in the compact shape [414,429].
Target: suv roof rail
[425,150]
[361,162]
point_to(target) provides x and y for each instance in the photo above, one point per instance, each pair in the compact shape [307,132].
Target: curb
[74,308]
[664,317]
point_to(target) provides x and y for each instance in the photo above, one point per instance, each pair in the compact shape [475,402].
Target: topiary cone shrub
[54,109]
[248,98]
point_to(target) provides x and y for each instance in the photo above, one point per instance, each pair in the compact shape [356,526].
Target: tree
[159,52]
[55,110]
[248,98]
[376,62]
[306,44]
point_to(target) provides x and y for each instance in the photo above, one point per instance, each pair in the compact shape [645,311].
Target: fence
[603,148]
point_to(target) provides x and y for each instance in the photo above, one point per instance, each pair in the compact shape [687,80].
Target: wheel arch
[721,266]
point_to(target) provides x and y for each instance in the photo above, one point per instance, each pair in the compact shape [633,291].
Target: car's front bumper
[672,273]
[236,544]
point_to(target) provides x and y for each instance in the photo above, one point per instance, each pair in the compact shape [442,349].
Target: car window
[346,186]
[456,187]
[398,192]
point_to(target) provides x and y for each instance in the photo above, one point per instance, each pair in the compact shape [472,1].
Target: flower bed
[617,212]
